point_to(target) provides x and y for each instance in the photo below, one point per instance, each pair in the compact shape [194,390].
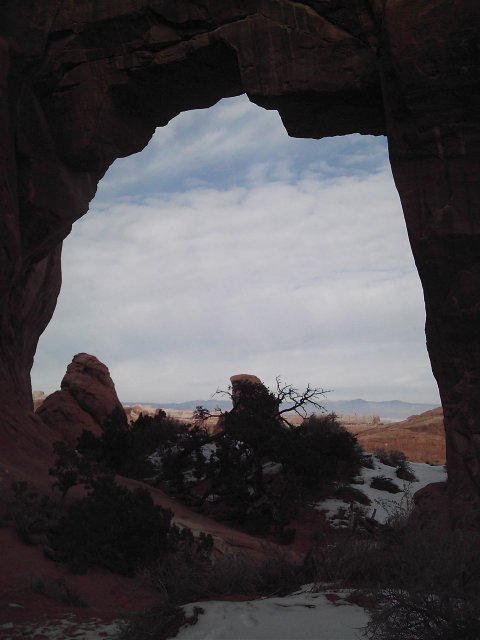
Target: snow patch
[64,629]
[303,615]
[383,503]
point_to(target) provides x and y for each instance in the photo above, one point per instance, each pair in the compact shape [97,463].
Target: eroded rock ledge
[82,83]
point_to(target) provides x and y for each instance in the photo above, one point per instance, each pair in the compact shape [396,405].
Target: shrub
[350,561]
[125,449]
[80,465]
[260,503]
[367,461]
[409,614]
[405,472]
[428,587]
[390,458]
[424,582]
[255,420]
[183,457]
[309,457]
[179,580]
[235,486]
[32,514]
[398,512]
[182,574]
[383,483]
[398,460]
[321,451]
[112,527]
[66,467]
[145,436]
[277,576]
[235,477]
[348,493]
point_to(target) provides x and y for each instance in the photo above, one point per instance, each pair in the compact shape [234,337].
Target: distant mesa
[357,409]
[386,410]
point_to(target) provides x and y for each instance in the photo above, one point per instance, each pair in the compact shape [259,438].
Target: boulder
[238,381]
[87,398]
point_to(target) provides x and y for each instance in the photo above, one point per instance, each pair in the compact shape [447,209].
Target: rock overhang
[82,83]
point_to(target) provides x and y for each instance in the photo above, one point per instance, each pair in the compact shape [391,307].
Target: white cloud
[302,270]
[230,144]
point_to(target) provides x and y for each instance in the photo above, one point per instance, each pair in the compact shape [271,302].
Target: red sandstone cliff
[87,397]
[83,83]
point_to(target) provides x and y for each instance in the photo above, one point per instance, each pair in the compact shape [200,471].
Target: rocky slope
[89,395]
[421,438]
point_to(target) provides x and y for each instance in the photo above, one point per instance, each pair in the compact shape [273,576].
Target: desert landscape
[267,539]
[350,258]
[420,437]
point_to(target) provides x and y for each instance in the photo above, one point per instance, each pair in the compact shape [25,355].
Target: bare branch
[300,401]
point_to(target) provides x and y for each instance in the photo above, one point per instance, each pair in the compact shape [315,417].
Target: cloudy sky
[227,247]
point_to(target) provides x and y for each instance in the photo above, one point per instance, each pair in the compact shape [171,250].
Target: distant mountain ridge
[387,409]
[188,405]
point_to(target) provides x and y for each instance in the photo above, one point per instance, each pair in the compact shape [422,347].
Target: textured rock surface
[86,399]
[431,505]
[82,83]
[238,381]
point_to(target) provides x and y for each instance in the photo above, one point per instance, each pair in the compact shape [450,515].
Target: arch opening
[243,249]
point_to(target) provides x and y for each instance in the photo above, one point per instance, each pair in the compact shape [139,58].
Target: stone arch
[84,83]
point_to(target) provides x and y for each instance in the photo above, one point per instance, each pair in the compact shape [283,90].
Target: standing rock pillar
[428,52]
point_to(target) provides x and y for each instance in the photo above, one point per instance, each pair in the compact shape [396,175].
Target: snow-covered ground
[384,503]
[301,616]
[68,628]
[304,615]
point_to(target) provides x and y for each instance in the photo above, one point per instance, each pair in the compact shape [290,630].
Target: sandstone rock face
[83,83]
[38,398]
[237,381]
[431,505]
[86,399]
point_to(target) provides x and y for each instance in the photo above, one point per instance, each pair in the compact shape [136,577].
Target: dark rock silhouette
[238,381]
[87,398]
[84,83]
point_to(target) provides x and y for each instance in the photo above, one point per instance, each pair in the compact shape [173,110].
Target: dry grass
[180,580]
